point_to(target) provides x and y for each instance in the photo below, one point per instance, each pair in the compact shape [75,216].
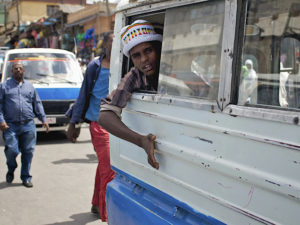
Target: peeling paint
[287,145]
[294,197]
[222,185]
[271,182]
[205,165]
[257,218]
[250,194]
[244,179]
[148,114]
[202,139]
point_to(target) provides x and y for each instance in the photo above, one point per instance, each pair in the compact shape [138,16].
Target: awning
[82,21]
[69,8]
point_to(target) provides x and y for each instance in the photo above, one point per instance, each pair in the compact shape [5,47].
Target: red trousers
[104,173]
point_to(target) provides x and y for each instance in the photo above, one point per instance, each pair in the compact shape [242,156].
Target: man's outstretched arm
[113,124]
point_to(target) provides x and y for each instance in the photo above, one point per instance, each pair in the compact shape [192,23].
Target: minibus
[225,114]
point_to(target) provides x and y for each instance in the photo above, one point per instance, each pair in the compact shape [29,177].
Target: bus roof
[38,50]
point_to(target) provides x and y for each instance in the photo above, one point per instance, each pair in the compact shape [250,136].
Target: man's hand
[3,126]
[46,126]
[71,133]
[149,149]
[113,124]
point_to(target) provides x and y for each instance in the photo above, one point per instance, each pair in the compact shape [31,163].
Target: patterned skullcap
[138,32]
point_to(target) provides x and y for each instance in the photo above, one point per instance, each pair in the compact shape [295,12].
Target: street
[63,177]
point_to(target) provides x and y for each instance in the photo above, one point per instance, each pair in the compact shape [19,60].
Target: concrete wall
[32,10]
[97,8]
[101,24]
[29,11]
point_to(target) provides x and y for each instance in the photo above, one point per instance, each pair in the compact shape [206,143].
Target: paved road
[63,178]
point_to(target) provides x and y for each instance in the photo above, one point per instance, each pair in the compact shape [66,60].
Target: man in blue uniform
[19,104]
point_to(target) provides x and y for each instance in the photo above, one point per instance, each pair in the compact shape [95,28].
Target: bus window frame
[232,41]
[191,102]
[266,112]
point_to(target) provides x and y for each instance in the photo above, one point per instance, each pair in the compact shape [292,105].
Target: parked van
[55,74]
[228,135]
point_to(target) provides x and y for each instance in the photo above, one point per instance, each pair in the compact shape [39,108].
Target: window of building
[52,9]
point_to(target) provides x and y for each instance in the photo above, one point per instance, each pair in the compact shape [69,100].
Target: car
[55,74]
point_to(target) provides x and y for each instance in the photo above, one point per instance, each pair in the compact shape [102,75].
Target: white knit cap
[138,32]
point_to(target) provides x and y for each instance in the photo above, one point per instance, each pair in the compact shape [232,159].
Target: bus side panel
[58,93]
[56,102]
[235,169]
[130,201]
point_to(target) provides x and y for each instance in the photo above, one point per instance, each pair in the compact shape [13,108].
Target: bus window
[191,50]
[270,57]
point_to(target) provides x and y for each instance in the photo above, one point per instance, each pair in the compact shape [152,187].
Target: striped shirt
[133,81]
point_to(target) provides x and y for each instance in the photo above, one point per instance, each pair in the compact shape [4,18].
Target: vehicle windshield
[47,67]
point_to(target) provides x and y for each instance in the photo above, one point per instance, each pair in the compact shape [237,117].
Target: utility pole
[108,13]
[18,17]
[107,7]
[62,26]
[5,17]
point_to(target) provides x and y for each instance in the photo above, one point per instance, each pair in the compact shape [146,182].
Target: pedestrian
[143,45]
[86,108]
[248,87]
[19,104]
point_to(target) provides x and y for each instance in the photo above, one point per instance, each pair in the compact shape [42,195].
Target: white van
[55,74]
[228,135]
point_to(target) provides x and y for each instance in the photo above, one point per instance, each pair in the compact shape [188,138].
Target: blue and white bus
[228,135]
[55,74]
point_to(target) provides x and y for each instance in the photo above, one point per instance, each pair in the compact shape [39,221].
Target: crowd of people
[20,103]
